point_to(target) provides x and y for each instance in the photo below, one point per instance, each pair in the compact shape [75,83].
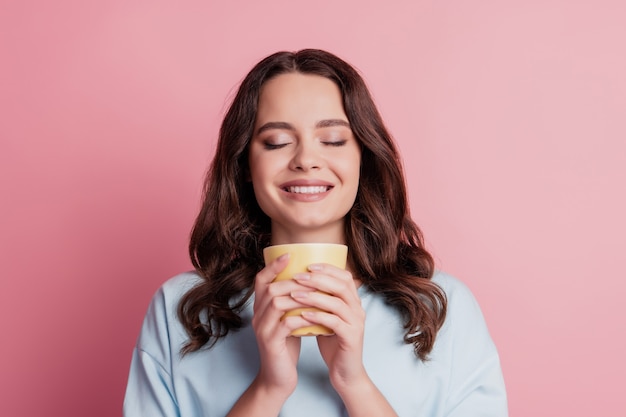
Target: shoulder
[464,321]
[172,290]
[449,284]
[457,292]
[161,322]
[166,299]
[178,285]
[181,282]
[463,311]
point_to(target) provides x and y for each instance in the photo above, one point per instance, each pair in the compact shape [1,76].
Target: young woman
[304,156]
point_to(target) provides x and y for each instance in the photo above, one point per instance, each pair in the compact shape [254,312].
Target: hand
[334,291]
[278,352]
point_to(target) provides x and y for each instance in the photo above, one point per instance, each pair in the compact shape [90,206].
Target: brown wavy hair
[386,246]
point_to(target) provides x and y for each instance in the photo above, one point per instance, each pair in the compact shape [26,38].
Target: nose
[306,157]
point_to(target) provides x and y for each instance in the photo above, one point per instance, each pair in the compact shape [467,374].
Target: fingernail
[315,267]
[283,257]
[301,276]
[299,294]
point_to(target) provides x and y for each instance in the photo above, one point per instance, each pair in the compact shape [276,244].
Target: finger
[266,275]
[331,280]
[276,307]
[332,270]
[271,270]
[273,331]
[272,293]
[348,313]
[271,304]
[273,324]
[340,328]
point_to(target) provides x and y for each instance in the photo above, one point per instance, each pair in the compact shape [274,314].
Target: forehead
[297,95]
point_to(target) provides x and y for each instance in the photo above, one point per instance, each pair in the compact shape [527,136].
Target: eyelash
[271,146]
[335,143]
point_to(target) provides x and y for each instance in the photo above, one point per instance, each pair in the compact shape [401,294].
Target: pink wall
[510,116]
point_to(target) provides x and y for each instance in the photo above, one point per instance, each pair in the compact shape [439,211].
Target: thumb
[271,270]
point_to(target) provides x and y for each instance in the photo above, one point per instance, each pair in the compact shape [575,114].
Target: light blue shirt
[462,377]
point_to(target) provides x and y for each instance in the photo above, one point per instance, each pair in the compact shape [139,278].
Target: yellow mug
[301,255]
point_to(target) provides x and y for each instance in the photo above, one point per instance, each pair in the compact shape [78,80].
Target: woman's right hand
[278,351]
[278,374]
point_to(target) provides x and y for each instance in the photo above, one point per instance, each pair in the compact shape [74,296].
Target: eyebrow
[289,126]
[332,123]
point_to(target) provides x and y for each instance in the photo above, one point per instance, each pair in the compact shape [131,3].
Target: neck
[282,235]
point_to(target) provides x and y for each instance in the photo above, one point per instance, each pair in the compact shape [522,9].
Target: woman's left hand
[334,291]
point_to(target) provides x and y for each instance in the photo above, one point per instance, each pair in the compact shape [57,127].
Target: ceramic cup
[301,255]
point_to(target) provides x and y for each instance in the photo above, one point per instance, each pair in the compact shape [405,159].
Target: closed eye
[271,146]
[336,143]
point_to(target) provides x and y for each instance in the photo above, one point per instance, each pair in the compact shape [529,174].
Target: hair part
[386,246]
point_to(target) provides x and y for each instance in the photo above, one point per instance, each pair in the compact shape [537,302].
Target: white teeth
[307,190]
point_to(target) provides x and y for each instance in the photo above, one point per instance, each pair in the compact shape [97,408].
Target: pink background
[510,116]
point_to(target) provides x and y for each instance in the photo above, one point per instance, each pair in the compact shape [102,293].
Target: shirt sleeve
[150,389]
[476,382]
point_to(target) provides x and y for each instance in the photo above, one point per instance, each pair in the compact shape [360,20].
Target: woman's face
[304,159]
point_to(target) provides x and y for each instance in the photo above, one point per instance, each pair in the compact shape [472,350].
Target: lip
[306,183]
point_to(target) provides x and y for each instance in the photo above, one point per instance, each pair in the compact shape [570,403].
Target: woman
[303,156]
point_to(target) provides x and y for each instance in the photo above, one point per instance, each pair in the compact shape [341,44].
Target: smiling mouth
[316,189]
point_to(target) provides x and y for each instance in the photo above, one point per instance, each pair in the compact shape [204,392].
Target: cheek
[262,186]
[356,175]
[262,198]
[258,170]
[351,170]
[353,182]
